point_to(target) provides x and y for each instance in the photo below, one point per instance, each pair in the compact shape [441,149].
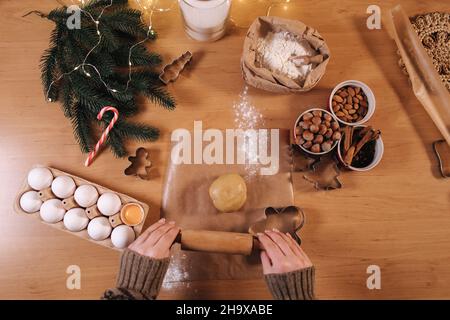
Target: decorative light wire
[96,22]
[275,4]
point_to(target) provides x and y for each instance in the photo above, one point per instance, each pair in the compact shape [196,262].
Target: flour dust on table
[247,117]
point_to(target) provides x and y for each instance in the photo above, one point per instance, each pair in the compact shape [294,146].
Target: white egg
[63,187]
[30,201]
[40,178]
[76,220]
[99,228]
[52,211]
[109,204]
[122,236]
[86,195]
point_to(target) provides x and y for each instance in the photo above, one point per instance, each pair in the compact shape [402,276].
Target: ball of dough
[228,192]
[40,178]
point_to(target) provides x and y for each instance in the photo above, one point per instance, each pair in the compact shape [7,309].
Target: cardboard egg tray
[79,181]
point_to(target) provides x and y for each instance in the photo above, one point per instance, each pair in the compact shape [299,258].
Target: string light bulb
[96,21]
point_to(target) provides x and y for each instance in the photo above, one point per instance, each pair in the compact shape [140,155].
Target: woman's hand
[281,253]
[155,242]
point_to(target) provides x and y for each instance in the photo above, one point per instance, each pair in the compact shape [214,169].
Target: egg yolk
[132,214]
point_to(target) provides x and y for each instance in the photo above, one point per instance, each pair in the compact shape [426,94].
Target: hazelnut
[315,148]
[308,135]
[305,124]
[326,146]
[308,116]
[314,128]
[327,117]
[336,135]
[316,120]
[322,129]
[307,144]
[335,126]
[318,139]
[317,113]
[328,134]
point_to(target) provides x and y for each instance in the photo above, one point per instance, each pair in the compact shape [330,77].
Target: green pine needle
[83,93]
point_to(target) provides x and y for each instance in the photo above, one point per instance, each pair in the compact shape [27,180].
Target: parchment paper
[263,78]
[425,80]
[186,200]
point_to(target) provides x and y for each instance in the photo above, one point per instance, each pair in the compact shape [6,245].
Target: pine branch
[138,131]
[116,144]
[139,56]
[83,92]
[82,129]
[128,22]
[148,84]
[68,100]
[100,4]
[49,66]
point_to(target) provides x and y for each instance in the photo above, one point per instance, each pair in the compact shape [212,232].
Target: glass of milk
[205,20]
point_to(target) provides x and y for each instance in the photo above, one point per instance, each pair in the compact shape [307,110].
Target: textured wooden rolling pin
[217,241]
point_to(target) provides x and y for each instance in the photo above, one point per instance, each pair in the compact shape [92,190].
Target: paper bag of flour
[259,76]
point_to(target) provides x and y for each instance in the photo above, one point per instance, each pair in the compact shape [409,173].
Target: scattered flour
[276,50]
[246,117]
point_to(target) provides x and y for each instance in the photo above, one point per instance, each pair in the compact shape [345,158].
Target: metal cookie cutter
[287,219]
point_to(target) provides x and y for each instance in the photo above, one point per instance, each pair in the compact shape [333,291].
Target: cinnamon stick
[366,138]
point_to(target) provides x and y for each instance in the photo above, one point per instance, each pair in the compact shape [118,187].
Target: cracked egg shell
[40,178]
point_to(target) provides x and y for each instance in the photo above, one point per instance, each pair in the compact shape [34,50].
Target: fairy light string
[150,32]
[151,8]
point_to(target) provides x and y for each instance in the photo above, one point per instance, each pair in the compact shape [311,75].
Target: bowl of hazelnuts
[317,131]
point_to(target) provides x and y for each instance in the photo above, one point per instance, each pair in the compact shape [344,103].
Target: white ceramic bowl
[371,102]
[298,120]
[379,150]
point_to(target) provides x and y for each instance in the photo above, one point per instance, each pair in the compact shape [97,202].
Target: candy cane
[105,134]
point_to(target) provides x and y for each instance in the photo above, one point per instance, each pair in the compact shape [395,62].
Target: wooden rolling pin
[216,241]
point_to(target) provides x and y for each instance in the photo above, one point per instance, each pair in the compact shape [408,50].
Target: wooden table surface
[396,216]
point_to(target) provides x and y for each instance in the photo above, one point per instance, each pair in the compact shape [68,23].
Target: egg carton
[125,199]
